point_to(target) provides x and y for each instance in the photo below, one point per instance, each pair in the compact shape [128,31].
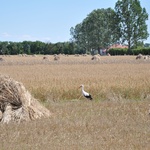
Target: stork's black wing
[89,97]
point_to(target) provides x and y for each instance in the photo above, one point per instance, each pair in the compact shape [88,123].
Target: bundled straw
[95,57]
[17,104]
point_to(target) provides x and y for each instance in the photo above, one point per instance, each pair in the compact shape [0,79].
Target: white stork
[85,94]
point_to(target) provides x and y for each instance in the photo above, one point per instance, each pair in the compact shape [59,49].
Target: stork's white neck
[82,88]
[83,92]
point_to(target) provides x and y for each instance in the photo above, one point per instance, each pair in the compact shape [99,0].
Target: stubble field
[117,118]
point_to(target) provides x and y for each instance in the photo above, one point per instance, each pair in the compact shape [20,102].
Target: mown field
[117,118]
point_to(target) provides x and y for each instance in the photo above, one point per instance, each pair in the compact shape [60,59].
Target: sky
[48,20]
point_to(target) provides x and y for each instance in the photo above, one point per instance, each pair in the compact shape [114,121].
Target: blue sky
[48,20]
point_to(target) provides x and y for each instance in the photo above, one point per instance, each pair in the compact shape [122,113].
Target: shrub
[124,51]
[118,51]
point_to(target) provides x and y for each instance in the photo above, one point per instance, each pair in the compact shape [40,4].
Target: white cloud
[23,37]
[33,38]
[46,39]
[5,34]
[26,37]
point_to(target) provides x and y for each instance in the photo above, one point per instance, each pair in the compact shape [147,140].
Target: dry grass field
[116,119]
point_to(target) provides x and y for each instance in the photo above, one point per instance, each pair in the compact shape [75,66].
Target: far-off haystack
[56,57]
[17,104]
[95,57]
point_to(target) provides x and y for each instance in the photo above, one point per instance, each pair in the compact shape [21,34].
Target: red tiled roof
[118,46]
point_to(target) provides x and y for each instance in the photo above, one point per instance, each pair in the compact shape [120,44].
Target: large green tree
[132,22]
[98,30]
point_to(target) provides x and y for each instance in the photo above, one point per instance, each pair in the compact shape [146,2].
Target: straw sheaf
[17,104]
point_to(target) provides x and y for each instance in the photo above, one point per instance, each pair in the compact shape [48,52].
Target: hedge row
[124,51]
[117,51]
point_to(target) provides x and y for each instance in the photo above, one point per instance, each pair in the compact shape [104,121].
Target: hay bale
[77,55]
[146,57]
[56,57]
[84,54]
[140,56]
[17,104]
[95,57]
[1,59]
[34,55]
[45,58]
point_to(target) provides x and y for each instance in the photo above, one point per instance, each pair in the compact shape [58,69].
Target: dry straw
[56,57]
[17,104]
[95,57]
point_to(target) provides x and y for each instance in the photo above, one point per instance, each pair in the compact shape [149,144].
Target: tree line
[36,47]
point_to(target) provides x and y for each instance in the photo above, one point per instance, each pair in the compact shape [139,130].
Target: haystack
[45,58]
[17,104]
[95,57]
[139,56]
[1,59]
[56,57]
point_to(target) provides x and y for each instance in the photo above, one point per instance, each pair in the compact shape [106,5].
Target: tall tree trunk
[98,50]
[129,47]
